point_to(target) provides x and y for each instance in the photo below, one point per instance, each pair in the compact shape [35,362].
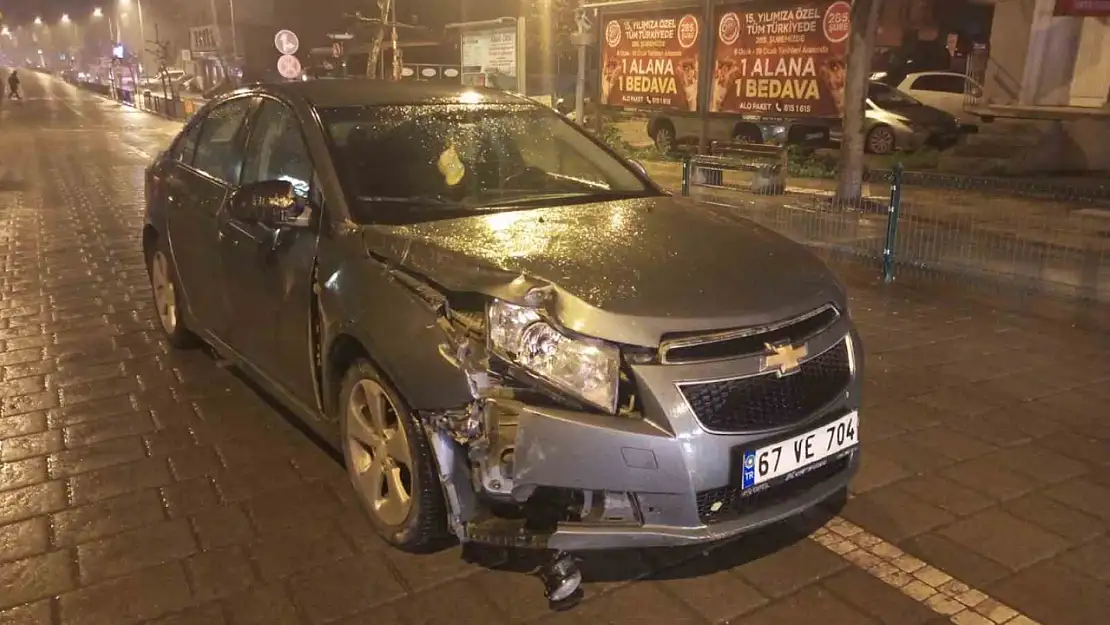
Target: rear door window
[943,83]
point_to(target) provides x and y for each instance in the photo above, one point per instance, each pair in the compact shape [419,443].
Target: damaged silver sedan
[513,335]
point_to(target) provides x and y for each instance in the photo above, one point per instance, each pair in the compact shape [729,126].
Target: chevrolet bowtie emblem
[784,358]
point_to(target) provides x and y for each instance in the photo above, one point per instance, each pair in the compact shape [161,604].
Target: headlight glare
[587,369]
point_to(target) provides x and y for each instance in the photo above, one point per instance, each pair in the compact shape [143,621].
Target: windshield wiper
[582,181]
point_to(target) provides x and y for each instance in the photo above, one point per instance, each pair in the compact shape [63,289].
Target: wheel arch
[340,355]
[422,384]
[367,311]
[748,130]
[659,122]
[150,236]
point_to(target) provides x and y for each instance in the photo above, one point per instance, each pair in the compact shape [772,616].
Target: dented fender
[360,298]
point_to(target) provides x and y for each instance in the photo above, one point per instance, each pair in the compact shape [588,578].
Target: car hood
[628,271]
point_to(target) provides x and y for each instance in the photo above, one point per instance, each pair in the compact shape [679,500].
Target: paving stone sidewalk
[143,485]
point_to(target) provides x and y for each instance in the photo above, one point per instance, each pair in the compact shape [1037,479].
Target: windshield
[470,157]
[887,97]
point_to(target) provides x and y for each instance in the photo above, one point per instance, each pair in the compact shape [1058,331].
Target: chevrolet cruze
[511,333]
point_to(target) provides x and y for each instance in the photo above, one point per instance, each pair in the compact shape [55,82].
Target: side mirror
[271,203]
[639,167]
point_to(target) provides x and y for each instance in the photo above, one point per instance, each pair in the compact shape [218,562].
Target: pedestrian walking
[13,86]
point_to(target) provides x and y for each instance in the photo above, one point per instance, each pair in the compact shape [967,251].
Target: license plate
[785,457]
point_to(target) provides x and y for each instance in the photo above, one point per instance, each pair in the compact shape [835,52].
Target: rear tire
[390,462]
[663,136]
[747,134]
[881,140]
[167,296]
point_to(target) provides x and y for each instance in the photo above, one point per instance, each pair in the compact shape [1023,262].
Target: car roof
[366,92]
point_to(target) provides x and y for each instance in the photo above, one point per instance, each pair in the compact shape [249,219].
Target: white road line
[918,580]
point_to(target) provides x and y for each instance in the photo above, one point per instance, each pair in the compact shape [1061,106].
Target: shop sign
[204,39]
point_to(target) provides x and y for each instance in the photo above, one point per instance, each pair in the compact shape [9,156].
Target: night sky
[23,11]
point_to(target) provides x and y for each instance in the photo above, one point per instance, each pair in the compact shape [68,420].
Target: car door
[196,191]
[269,272]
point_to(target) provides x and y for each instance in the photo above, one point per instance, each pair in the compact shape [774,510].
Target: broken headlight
[588,369]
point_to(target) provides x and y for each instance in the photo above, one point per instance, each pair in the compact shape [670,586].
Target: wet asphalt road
[143,485]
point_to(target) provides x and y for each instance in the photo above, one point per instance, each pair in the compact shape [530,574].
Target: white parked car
[943,90]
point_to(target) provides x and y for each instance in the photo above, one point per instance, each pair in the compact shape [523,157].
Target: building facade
[1049,53]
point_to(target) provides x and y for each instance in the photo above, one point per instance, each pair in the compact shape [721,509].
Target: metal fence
[957,225]
[146,100]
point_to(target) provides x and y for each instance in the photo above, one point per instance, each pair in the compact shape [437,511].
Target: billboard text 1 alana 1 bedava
[776,61]
[651,61]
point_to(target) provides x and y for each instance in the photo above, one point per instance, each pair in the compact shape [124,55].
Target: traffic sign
[337,49]
[286,42]
[583,20]
[289,66]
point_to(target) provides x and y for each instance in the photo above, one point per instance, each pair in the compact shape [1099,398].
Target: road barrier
[1036,235]
[146,100]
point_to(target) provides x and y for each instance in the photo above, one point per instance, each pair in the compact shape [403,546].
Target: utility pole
[581,41]
[234,39]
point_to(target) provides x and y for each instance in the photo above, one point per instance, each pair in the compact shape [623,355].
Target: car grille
[690,348]
[734,503]
[768,401]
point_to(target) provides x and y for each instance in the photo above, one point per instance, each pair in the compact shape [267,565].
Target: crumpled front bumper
[577,537]
[666,461]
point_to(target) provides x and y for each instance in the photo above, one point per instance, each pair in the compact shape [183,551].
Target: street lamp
[142,32]
[65,18]
[98,13]
[38,21]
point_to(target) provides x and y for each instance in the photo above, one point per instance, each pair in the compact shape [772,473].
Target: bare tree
[384,6]
[861,45]
[160,48]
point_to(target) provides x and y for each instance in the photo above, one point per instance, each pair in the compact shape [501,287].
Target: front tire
[390,463]
[167,297]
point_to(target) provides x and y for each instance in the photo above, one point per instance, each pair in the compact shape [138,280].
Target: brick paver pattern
[143,485]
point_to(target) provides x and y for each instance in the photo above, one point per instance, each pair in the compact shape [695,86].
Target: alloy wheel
[165,296]
[881,140]
[378,452]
